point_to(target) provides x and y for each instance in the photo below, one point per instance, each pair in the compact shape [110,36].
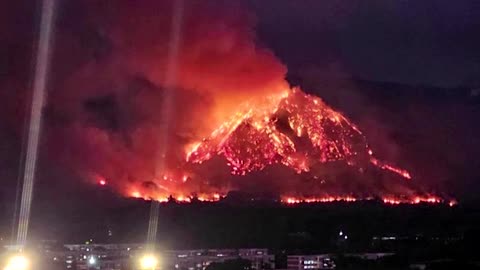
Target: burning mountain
[252,139]
[292,129]
[177,98]
[298,131]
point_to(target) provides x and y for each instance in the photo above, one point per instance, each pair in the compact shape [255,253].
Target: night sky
[407,72]
[406,69]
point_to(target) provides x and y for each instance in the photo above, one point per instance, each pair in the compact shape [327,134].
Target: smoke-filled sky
[120,98]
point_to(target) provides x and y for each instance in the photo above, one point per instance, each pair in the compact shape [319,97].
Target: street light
[92,261]
[148,262]
[18,262]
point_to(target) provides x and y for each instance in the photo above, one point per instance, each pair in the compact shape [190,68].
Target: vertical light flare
[39,84]
[152,225]
[170,79]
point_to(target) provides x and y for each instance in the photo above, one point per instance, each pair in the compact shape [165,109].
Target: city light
[92,260]
[18,262]
[148,262]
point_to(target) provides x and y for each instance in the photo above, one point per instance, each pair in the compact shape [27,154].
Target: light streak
[171,77]
[39,94]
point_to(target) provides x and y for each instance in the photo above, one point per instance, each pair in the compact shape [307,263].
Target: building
[125,257]
[95,256]
[201,258]
[301,262]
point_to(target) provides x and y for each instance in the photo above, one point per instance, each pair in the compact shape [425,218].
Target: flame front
[251,139]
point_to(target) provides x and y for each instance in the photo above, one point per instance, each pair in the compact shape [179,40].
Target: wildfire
[384,166]
[255,137]
[415,200]
[290,200]
[140,124]
[252,140]
[294,200]
[215,197]
[386,200]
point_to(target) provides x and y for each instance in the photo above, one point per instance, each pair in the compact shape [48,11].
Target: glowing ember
[391,168]
[327,199]
[415,200]
[136,194]
[308,200]
[252,139]
[386,200]
[180,198]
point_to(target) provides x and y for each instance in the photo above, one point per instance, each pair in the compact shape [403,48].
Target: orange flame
[251,140]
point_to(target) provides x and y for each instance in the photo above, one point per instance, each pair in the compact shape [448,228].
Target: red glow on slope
[251,140]
[386,200]
[291,200]
[405,174]
[215,197]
